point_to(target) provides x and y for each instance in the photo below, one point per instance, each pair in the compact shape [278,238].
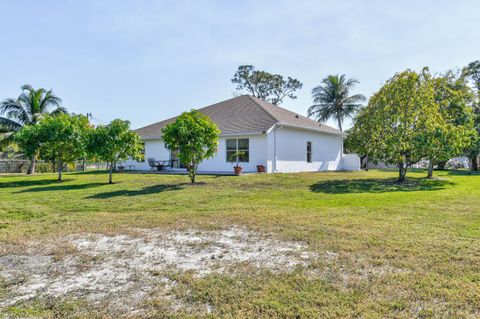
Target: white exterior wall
[257,150]
[271,137]
[291,150]
[351,162]
[288,144]
[153,149]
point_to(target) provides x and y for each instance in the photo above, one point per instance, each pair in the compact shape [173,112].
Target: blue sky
[148,60]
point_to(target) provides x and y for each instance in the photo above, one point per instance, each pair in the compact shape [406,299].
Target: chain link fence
[8,166]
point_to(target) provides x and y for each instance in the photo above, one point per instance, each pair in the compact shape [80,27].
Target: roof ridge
[253,99]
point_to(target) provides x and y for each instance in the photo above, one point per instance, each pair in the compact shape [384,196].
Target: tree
[27,109]
[28,140]
[332,99]
[355,142]
[269,87]
[455,132]
[472,72]
[195,137]
[397,119]
[113,143]
[63,138]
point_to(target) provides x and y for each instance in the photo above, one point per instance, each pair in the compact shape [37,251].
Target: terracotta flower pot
[237,170]
[260,168]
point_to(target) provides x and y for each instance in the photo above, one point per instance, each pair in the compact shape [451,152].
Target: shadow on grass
[144,191]
[91,172]
[378,185]
[61,187]
[461,172]
[30,182]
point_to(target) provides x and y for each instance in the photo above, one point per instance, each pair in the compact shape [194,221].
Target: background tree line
[413,117]
[420,116]
[42,129]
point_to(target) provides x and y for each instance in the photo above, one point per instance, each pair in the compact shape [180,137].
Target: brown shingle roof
[244,114]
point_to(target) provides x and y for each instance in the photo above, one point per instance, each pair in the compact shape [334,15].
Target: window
[309,152]
[238,149]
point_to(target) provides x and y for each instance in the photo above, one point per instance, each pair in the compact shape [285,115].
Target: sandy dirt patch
[124,269]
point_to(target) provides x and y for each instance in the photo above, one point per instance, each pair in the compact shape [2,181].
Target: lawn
[376,249]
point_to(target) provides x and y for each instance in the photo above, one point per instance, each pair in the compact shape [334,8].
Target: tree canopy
[397,120]
[113,143]
[269,87]
[195,136]
[59,137]
[455,133]
[63,138]
[30,107]
[28,140]
[333,100]
[472,72]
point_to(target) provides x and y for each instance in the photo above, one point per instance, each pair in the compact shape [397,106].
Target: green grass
[404,251]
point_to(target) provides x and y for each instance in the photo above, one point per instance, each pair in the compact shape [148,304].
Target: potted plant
[260,168]
[235,157]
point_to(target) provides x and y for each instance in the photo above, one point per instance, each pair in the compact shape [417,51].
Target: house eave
[159,137]
[310,129]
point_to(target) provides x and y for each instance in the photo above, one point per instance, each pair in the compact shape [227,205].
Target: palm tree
[332,99]
[27,109]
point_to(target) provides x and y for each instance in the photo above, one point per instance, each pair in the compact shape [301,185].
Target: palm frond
[49,100]
[27,87]
[59,110]
[332,100]
[9,105]
[8,125]
[351,83]
[31,105]
[355,98]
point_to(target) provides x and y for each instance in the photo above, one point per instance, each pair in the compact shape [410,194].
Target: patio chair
[151,163]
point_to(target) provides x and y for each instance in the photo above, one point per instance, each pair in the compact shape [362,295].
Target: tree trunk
[31,168]
[402,171]
[192,172]
[364,162]
[53,166]
[340,125]
[60,170]
[430,169]
[110,174]
[192,178]
[474,163]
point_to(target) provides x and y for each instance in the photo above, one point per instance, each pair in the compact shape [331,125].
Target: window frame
[309,152]
[237,149]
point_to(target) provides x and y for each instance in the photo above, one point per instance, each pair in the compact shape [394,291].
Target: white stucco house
[268,135]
